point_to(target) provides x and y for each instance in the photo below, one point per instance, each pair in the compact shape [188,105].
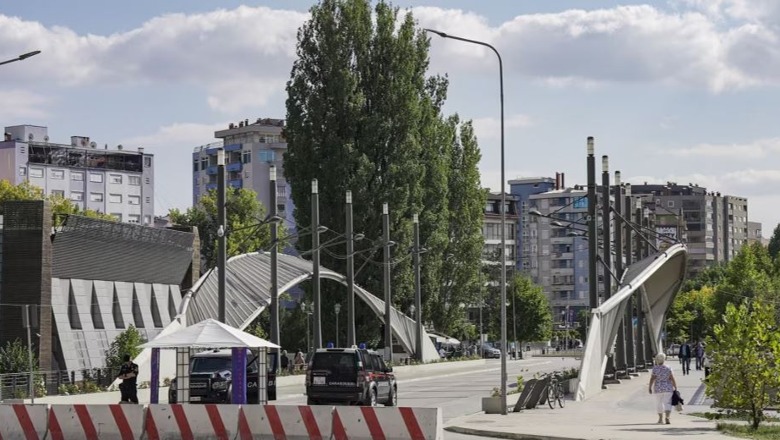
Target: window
[79,177]
[670,204]
[22,171]
[134,218]
[195,165]
[148,181]
[148,199]
[57,174]
[267,155]
[115,198]
[117,216]
[281,191]
[58,193]
[77,196]
[95,197]
[147,161]
[147,219]
[115,178]
[94,177]
[36,172]
[134,180]
[246,157]
[204,163]
[133,200]
[280,208]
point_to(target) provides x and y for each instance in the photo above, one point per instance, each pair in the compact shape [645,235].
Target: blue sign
[362,346]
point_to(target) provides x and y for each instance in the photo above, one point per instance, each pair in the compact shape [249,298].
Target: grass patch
[744,431]
[731,415]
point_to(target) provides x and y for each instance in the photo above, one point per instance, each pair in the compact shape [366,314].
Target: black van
[350,376]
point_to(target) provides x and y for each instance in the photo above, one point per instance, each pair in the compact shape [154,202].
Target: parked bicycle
[555,389]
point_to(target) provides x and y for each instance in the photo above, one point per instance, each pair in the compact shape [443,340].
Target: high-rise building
[491,230]
[522,189]
[250,150]
[115,181]
[754,233]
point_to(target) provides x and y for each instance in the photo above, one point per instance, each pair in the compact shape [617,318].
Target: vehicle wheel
[372,397]
[393,398]
[551,395]
[560,395]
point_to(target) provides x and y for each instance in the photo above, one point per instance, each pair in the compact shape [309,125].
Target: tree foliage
[363,116]
[60,206]
[745,350]
[532,315]
[243,212]
[748,275]
[14,358]
[774,243]
[691,310]
[127,342]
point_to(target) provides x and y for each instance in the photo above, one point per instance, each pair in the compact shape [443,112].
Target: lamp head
[349,197]
[439,33]
[591,148]
[359,237]
[221,157]
[337,307]
[617,178]
[385,208]
[28,55]
[605,163]
[314,187]
[272,172]
[535,212]
[221,231]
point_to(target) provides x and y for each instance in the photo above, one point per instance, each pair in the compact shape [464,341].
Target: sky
[677,90]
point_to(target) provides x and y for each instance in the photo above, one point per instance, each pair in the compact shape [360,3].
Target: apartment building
[250,150]
[755,234]
[113,181]
[491,229]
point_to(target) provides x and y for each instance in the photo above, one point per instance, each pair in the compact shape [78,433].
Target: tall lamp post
[503,212]
[337,309]
[221,233]
[308,311]
[21,57]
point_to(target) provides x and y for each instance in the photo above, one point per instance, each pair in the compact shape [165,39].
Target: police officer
[128,373]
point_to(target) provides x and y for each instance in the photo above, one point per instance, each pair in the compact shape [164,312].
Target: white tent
[209,333]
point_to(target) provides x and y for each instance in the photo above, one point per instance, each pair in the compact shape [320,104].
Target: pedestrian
[685,357]
[662,384]
[699,352]
[299,360]
[707,363]
[129,374]
[284,361]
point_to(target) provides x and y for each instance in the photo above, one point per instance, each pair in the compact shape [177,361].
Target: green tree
[60,206]
[744,355]
[14,358]
[533,317]
[692,315]
[774,243]
[363,116]
[243,212]
[127,342]
[748,275]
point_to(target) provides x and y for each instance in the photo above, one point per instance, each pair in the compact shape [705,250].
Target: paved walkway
[624,411]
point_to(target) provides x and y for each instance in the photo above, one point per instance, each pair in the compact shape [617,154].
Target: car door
[380,378]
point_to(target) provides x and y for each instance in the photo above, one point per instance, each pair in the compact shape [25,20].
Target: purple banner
[155,391]
[239,376]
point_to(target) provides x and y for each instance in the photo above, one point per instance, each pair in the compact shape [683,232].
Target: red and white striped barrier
[285,422]
[112,422]
[190,422]
[20,421]
[350,422]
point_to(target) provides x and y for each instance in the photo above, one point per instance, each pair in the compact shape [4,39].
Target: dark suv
[351,376]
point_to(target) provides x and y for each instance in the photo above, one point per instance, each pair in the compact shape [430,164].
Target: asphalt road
[457,394]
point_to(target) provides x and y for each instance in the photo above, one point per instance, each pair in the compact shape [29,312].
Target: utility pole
[593,294]
[350,236]
[315,259]
[386,281]
[620,350]
[607,248]
[629,315]
[274,268]
[417,293]
[641,362]
[222,232]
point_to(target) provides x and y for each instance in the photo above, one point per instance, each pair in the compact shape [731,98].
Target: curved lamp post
[503,212]
[21,57]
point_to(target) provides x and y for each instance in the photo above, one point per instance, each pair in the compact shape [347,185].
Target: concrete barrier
[191,422]
[23,422]
[110,422]
[285,422]
[350,423]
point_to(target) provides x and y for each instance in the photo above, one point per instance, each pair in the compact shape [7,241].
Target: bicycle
[555,390]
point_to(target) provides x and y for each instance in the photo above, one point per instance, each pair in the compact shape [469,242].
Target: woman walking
[662,383]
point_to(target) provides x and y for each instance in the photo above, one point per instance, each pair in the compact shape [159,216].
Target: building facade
[523,189]
[755,233]
[116,181]
[491,230]
[250,151]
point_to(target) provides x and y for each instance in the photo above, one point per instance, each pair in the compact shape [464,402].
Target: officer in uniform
[128,373]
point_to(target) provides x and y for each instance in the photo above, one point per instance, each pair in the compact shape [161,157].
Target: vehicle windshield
[210,364]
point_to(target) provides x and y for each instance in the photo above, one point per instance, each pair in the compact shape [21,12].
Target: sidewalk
[624,411]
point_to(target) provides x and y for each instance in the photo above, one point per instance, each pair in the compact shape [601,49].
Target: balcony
[236,183]
[210,186]
[233,147]
[233,167]
[212,170]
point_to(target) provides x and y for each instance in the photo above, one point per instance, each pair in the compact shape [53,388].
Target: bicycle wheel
[551,395]
[560,395]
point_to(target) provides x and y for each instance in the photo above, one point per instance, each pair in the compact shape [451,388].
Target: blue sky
[678,90]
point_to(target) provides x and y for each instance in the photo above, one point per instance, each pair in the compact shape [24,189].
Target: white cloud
[26,105]
[490,128]
[754,150]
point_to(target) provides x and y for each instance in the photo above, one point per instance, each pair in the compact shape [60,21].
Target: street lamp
[308,311]
[503,210]
[337,308]
[21,57]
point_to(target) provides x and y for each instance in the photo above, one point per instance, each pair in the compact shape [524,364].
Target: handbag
[677,401]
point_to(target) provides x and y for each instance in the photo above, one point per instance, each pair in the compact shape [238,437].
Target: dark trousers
[686,364]
[699,362]
[129,392]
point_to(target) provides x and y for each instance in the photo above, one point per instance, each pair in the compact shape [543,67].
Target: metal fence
[53,383]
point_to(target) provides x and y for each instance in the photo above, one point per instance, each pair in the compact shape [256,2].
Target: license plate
[319,380]
[195,398]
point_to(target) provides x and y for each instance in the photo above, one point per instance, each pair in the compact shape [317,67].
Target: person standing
[129,374]
[662,384]
[685,357]
[699,352]
[284,361]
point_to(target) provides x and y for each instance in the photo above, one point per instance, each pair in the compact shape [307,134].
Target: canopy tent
[209,333]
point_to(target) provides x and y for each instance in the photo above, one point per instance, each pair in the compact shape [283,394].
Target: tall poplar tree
[362,115]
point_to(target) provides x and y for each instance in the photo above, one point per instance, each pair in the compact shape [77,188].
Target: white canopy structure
[209,333]
[657,279]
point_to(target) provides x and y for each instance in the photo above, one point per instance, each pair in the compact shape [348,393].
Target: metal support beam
[275,336]
[386,281]
[315,259]
[350,238]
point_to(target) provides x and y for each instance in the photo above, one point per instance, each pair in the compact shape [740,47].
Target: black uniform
[128,386]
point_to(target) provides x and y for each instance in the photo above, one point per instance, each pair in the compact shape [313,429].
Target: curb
[501,434]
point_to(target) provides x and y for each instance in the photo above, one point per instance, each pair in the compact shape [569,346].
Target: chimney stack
[563,182]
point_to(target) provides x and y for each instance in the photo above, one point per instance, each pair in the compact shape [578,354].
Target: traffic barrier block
[20,421]
[285,422]
[350,422]
[191,422]
[104,422]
